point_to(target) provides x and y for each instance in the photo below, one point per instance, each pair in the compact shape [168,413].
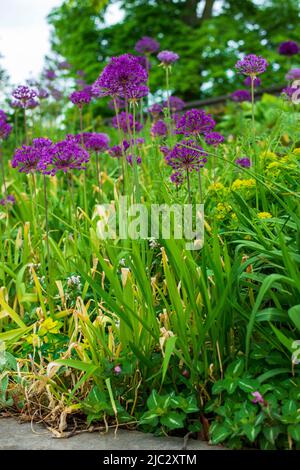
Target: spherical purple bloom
[80,97]
[129,160]
[256,82]
[244,162]
[147,45]
[119,103]
[240,95]
[176,104]
[159,129]
[155,109]
[126,122]
[97,142]
[293,74]
[24,94]
[137,92]
[50,74]
[195,121]
[177,178]
[119,77]
[3,116]
[116,151]
[213,138]
[29,158]
[167,58]
[186,155]
[15,104]
[251,65]
[32,104]
[42,93]
[5,129]
[289,48]
[66,155]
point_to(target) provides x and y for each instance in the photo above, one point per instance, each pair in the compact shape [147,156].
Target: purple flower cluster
[120,77]
[97,141]
[80,97]
[176,104]
[293,74]
[25,97]
[186,155]
[177,178]
[155,109]
[126,123]
[130,160]
[167,58]
[193,122]
[5,128]
[289,48]
[29,158]
[50,74]
[42,93]
[159,129]
[7,200]
[291,92]
[147,45]
[244,162]
[251,65]
[240,95]
[213,138]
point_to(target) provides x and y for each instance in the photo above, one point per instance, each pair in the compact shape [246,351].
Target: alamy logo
[296,93]
[153,221]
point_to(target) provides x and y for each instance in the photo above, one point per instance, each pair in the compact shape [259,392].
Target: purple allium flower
[177,178]
[80,97]
[3,117]
[155,109]
[117,370]
[213,138]
[8,200]
[293,74]
[186,155]
[50,74]
[137,93]
[244,162]
[15,104]
[159,129]
[97,142]
[116,151]
[126,122]
[251,65]
[240,95]
[289,48]
[147,45]
[120,104]
[66,155]
[176,104]
[258,398]
[24,94]
[120,76]
[165,150]
[139,141]
[42,93]
[167,58]
[256,82]
[195,121]
[129,160]
[32,104]
[29,158]
[5,129]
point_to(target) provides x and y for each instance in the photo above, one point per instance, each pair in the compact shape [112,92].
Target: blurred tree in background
[209,36]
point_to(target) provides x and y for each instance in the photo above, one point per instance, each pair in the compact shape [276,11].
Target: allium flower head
[213,138]
[32,104]
[195,121]
[135,93]
[80,97]
[2,116]
[167,58]
[5,128]
[251,65]
[42,93]
[50,74]
[177,178]
[155,109]
[289,48]
[240,95]
[186,156]
[147,45]
[116,151]
[293,74]
[24,95]
[130,160]
[176,104]
[159,129]
[66,155]
[7,200]
[29,158]
[126,122]
[244,162]
[256,82]
[120,76]
[97,142]
[16,104]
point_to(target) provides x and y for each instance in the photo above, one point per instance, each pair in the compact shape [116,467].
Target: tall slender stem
[47,222]
[200,186]
[121,144]
[84,174]
[25,127]
[188,185]
[3,172]
[98,173]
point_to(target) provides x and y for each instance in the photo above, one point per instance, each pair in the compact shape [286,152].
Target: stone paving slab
[16,436]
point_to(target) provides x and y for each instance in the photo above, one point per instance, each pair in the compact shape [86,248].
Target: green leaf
[149,418]
[169,348]
[219,432]
[251,431]
[294,314]
[294,431]
[152,401]
[271,433]
[248,385]
[236,368]
[173,420]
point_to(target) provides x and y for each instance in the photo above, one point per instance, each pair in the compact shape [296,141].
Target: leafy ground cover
[145,333]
